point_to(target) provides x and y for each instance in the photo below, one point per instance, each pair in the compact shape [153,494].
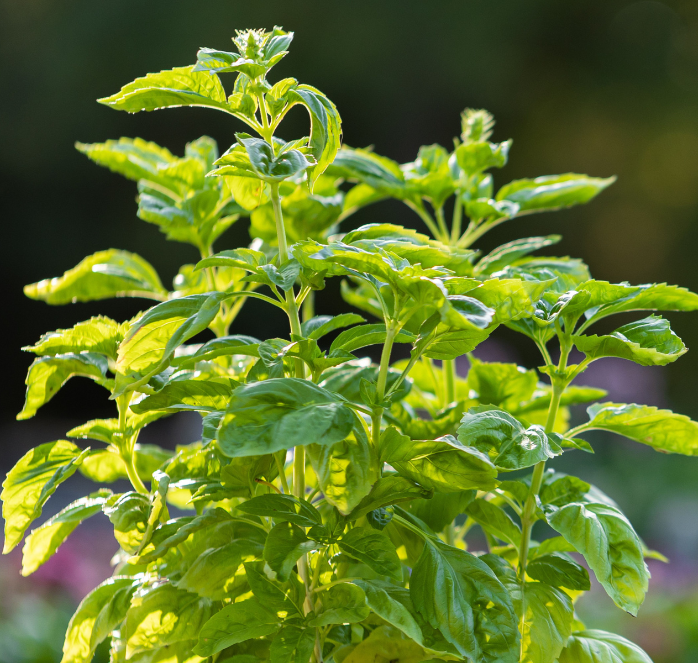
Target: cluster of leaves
[324,515]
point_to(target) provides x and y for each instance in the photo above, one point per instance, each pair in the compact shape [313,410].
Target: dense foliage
[328,504]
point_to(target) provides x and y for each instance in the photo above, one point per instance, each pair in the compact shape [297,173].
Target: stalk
[127,446]
[536,481]
[449,370]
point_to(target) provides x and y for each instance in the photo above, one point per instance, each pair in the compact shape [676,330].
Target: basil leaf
[99,335]
[592,646]
[495,520]
[373,549]
[386,491]
[285,544]
[342,604]
[292,644]
[282,508]
[559,570]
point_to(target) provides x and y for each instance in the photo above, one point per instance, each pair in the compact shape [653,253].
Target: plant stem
[391,333]
[527,519]
[457,219]
[308,306]
[280,459]
[426,217]
[442,222]
[128,444]
[449,370]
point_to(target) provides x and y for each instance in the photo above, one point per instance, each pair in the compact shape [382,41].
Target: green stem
[127,446]
[457,219]
[449,370]
[280,458]
[391,332]
[529,509]
[308,306]
[442,222]
[429,222]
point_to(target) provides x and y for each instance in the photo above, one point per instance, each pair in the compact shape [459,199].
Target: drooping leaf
[99,335]
[593,646]
[47,375]
[648,342]
[236,623]
[610,547]
[163,616]
[551,192]
[373,549]
[280,413]
[102,275]
[443,464]
[43,542]
[99,613]
[32,481]
[509,445]
[663,430]
[128,513]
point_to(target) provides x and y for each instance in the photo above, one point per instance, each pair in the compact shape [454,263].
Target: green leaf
[546,622]
[154,337]
[129,514]
[102,275]
[342,604]
[505,385]
[213,572]
[559,489]
[509,253]
[236,623]
[559,570]
[282,508]
[504,439]
[43,542]
[373,549]
[280,413]
[594,646]
[373,170]
[386,491]
[133,158]
[47,375]
[443,464]
[495,520]
[448,586]
[474,157]
[237,344]
[388,644]
[163,616]
[268,165]
[107,465]
[285,545]
[346,380]
[610,547]
[321,325]
[31,482]
[451,345]
[441,509]
[271,593]
[663,430]
[100,335]
[182,86]
[345,470]
[325,127]
[648,342]
[365,335]
[209,395]
[99,613]
[551,192]
[388,601]
[292,644]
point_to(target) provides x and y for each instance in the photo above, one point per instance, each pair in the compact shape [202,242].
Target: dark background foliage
[593,86]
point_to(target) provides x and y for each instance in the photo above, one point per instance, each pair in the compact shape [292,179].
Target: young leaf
[210,395]
[443,464]
[285,545]
[43,542]
[504,439]
[32,481]
[663,430]
[182,86]
[365,335]
[509,253]
[559,570]
[129,513]
[99,335]
[501,384]
[107,465]
[47,375]
[98,614]
[648,342]
[236,623]
[373,549]
[282,508]
[610,547]
[163,616]
[321,325]
[102,275]
[551,192]
[441,509]
[594,646]
[280,413]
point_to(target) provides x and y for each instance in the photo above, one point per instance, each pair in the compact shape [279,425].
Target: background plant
[263,571]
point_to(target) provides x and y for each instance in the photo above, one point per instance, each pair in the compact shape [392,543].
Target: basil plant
[327,513]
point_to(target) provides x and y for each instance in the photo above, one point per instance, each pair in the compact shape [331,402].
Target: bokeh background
[593,86]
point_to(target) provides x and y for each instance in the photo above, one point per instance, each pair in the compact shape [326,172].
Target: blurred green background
[593,86]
